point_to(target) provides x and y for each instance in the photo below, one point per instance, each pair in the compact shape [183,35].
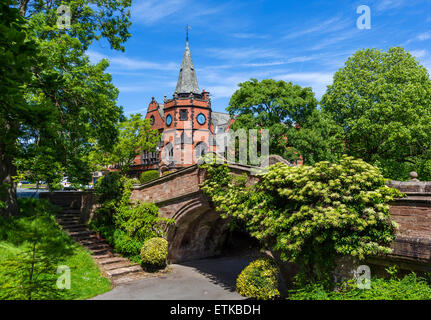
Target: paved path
[209,279]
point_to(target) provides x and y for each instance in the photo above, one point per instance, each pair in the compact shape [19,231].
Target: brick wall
[414,219]
[176,184]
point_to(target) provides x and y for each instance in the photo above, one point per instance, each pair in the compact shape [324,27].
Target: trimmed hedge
[148,176]
[154,253]
[166,173]
[259,280]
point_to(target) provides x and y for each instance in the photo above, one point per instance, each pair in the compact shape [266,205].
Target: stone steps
[116,273]
[118,269]
[112,260]
[69,217]
[117,265]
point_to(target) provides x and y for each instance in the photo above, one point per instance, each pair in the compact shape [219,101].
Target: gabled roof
[220,118]
[187,81]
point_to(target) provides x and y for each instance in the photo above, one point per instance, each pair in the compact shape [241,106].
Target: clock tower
[186,122]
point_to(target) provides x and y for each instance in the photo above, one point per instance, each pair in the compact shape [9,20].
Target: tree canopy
[135,136]
[382,100]
[17,54]
[69,102]
[296,126]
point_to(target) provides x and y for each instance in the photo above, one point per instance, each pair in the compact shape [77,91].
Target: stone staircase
[118,269]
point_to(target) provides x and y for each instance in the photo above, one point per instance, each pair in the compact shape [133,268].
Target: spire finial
[187,30]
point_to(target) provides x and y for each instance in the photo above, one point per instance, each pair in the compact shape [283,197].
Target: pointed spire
[187,81]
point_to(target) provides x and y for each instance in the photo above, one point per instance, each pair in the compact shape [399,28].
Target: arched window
[168,153]
[201,149]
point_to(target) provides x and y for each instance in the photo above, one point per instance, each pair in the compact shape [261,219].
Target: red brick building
[186,122]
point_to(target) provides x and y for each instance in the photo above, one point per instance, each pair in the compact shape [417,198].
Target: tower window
[184,115]
[201,149]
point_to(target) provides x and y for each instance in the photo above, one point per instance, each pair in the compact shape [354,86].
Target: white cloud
[327,26]
[317,80]
[124,63]
[153,11]
[249,53]
[249,36]
[424,36]
[383,5]
[418,53]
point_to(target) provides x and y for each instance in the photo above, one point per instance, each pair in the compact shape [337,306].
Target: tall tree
[383,102]
[68,101]
[319,138]
[296,127]
[135,136]
[17,55]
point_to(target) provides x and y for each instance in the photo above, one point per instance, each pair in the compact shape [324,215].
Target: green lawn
[32,247]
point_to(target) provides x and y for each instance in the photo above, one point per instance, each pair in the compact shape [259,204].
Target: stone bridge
[199,231]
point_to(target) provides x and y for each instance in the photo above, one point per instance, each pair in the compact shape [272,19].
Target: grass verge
[32,247]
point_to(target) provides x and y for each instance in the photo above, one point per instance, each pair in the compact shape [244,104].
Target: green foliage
[124,225]
[166,173]
[17,55]
[272,101]
[110,187]
[311,214]
[259,280]
[148,176]
[120,241]
[55,104]
[141,221]
[154,253]
[135,135]
[410,287]
[296,127]
[319,138]
[32,247]
[383,102]
[90,20]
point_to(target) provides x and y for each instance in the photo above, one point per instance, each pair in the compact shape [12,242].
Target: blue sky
[304,42]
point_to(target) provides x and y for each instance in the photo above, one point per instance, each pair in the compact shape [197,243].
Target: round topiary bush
[149,175]
[259,280]
[154,253]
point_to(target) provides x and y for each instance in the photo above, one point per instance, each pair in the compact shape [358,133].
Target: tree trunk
[23,7]
[287,270]
[7,184]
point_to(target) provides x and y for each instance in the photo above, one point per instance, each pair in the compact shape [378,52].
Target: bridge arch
[199,232]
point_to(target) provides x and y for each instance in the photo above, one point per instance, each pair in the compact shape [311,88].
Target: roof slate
[187,81]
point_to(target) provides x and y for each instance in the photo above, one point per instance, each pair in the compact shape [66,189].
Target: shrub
[124,225]
[126,245]
[148,176]
[259,280]
[141,221]
[311,215]
[410,287]
[154,253]
[110,187]
[166,173]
